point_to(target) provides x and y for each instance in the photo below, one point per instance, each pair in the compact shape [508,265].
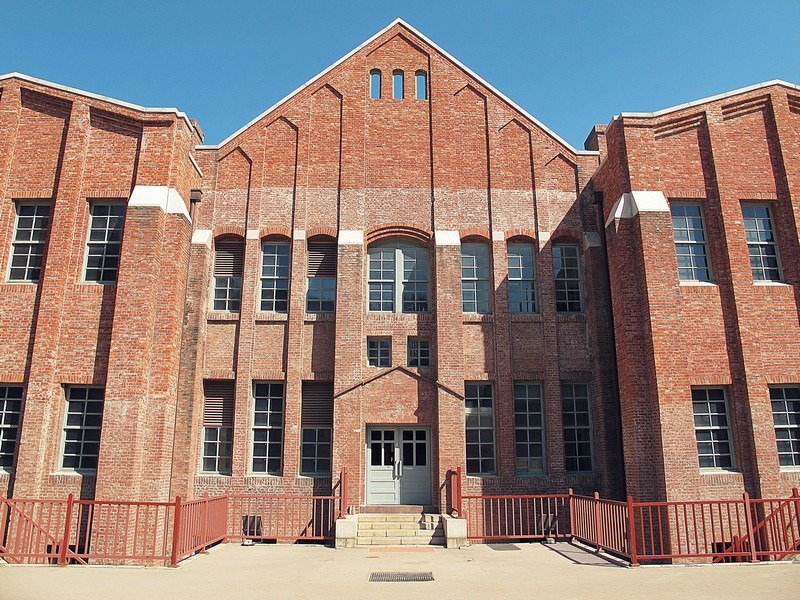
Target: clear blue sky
[571,64]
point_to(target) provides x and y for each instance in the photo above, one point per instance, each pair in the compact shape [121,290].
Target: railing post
[598,527]
[457,500]
[796,496]
[176,532]
[571,500]
[343,507]
[748,519]
[62,551]
[206,537]
[632,532]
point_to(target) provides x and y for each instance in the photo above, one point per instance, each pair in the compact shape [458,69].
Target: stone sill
[270,316]
[477,318]
[222,316]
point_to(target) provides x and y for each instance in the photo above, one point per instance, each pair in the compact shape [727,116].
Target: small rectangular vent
[503,547]
[401,577]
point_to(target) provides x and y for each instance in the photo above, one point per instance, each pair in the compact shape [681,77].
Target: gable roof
[438,49]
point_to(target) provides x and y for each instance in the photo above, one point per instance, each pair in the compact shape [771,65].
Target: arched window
[275,276]
[375,84]
[421,78]
[397,85]
[521,278]
[398,277]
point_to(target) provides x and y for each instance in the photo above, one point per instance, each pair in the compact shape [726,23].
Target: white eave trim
[444,53]
[744,90]
[71,90]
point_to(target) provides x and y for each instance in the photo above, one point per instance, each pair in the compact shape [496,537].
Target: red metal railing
[198,525]
[601,523]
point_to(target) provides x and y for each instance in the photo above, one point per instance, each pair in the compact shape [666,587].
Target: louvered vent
[218,408]
[317,405]
[228,258]
[322,259]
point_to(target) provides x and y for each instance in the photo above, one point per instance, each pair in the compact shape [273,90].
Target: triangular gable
[412,374]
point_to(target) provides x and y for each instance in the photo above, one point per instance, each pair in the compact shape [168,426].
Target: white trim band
[166,198]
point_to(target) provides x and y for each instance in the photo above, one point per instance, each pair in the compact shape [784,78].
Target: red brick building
[398,271]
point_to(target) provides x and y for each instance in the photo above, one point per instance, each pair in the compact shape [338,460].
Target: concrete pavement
[300,572]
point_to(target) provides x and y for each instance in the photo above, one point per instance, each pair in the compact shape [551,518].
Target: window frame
[325,283]
[478,284]
[791,428]
[570,308]
[398,84]
[223,394]
[481,412]
[375,81]
[401,252]
[379,352]
[696,391]
[42,245]
[268,428]
[693,270]
[751,245]
[420,85]
[533,305]
[542,443]
[588,427]
[276,278]
[83,428]
[316,456]
[420,352]
[7,425]
[94,204]
[231,303]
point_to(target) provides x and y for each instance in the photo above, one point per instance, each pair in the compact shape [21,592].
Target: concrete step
[400,541]
[400,530]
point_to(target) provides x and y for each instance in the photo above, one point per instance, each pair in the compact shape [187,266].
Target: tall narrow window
[566,271]
[84,418]
[375,84]
[761,242]
[690,242]
[228,270]
[521,279]
[786,415]
[30,236]
[714,450]
[321,294]
[398,277]
[577,427]
[475,284]
[422,85]
[105,239]
[316,424]
[275,276]
[267,427]
[528,428]
[218,397]
[479,428]
[10,407]
[398,93]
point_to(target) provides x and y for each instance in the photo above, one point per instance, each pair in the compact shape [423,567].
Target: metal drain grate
[401,576]
[503,547]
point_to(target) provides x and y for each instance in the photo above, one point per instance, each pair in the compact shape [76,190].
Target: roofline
[71,90]
[750,88]
[430,43]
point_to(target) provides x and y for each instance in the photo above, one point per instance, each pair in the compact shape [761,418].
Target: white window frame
[575,442]
[10,395]
[269,428]
[718,434]
[525,422]
[565,273]
[476,278]
[379,352]
[521,278]
[275,266]
[106,243]
[83,428]
[393,275]
[479,409]
[35,240]
[754,235]
[786,419]
[691,242]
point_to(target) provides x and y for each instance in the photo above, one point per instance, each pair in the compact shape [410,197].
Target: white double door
[398,465]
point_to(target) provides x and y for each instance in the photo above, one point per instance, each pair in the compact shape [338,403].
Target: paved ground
[525,571]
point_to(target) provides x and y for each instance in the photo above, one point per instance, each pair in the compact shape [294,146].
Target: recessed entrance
[398,465]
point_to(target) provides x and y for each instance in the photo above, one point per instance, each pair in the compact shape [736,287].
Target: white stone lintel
[351,237]
[299,234]
[252,234]
[202,236]
[446,237]
[164,197]
[630,204]
[498,236]
[590,239]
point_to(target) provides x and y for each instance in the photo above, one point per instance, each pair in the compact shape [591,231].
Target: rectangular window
[398,277]
[379,352]
[714,450]
[528,428]
[419,352]
[218,407]
[268,427]
[10,408]
[521,279]
[228,272]
[690,242]
[567,275]
[104,243]
[479,428]
[82,425]
[786,415]
[475,283]
[275,277]
[316,423]
[30,237]
[761,242]
[577,427]
[321,291]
